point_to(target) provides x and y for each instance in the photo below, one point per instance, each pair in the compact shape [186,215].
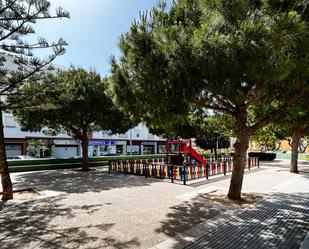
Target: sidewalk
[279,221]
[282,221]
[101,210]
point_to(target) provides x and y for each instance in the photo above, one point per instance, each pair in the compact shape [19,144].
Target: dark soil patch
[221,197]
[28,193]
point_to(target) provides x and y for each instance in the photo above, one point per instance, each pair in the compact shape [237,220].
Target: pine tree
[231,56]
[74,101]
[18,65]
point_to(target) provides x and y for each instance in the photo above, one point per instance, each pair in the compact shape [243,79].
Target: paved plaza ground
[102,210]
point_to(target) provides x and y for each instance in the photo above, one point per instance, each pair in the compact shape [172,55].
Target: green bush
[52,164]
[24,168]
[263,156]
[79,160]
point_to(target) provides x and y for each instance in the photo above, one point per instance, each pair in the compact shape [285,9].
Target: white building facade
[137,141]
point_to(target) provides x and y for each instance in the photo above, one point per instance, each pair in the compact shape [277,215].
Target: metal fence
[184,173]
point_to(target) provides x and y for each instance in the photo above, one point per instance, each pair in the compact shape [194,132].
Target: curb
[305,243]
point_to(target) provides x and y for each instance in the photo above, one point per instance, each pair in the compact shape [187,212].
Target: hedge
[52,164]
[263,156]
[76,160]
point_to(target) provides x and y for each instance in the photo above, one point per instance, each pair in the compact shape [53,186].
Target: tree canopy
[233,57]
[74,101]
[214,132]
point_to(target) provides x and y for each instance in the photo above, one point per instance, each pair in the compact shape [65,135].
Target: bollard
[184,174]
[144,168]
[224,167]
[172,172]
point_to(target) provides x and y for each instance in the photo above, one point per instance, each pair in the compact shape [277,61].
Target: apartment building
[137,141]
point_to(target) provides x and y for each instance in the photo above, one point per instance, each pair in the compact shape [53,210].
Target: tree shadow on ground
[281,221]
[31,224]
[70,181]
[283,163]
[188,214]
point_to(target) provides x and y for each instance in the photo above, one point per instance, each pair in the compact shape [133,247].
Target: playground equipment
[157,168]
[182,163]
[177,149]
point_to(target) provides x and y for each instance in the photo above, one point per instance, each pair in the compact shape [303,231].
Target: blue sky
[93,31]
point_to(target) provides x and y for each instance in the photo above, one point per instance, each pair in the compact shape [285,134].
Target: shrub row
[263,156]
[79,160]
[53,164]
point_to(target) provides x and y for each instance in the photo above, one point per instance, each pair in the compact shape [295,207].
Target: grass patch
[288,156]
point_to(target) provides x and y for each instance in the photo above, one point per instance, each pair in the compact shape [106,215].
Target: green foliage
[18,65]
[270,137]
[52,164]
[229,56]
[213,130]
[296,120]
[74,101]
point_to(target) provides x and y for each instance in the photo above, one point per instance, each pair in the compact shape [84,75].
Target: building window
[148,149]
[123,136]
[162,149]
[136,133]
[9,121]
[150,136]
[134,149]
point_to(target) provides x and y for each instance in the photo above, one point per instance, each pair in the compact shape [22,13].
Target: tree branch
[35,70]
[272,116]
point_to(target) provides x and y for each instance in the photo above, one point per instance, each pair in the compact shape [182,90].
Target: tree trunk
[216,148]
[239,161]
[294,156]
[85,154]
[4,169]
[216,154]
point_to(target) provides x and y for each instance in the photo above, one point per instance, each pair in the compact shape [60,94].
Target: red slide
[185,148]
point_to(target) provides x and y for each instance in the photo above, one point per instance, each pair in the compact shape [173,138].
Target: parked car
[21,157]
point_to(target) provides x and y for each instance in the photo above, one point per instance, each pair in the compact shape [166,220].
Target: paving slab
[281,221]
[101,210]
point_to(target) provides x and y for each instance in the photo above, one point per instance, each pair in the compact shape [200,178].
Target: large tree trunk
[4,169]
[294,156]
[85,154]
[239,161]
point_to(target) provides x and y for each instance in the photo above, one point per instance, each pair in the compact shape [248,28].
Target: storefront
[149,147]
[50,147]
[161,147]
[135,148]
[15,147]
[102,147]
[121,147]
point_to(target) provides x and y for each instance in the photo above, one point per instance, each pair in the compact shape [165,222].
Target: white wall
[140,132]
[13,130]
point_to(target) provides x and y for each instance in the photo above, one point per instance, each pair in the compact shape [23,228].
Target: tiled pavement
[281,221]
